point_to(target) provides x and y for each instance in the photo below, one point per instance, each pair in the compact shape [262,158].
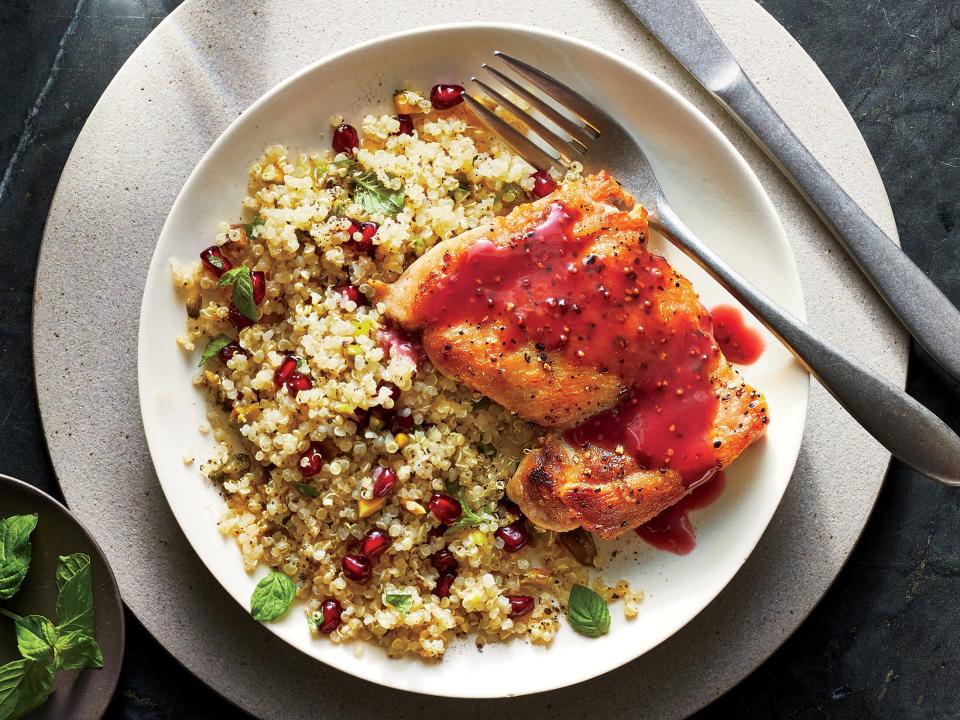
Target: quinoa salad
[369,485]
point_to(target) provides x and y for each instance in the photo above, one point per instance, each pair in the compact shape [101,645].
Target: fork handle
[912,296]
[901,424]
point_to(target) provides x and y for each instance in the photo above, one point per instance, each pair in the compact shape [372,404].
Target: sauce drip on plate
[672,530]
[547,289]
[740,343]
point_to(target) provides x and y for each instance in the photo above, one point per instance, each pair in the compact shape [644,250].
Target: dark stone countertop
[883,643]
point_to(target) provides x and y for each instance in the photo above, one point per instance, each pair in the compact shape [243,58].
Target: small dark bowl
[79,694]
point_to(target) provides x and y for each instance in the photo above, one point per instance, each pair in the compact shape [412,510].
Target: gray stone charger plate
[78,695]
[171,100]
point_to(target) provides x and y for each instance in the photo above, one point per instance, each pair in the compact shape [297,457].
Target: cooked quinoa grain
[320,401]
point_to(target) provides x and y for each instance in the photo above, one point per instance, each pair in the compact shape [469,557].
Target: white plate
[709,185]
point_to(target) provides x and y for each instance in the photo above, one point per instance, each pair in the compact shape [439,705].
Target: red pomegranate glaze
[406,124]
[213,260]
[672,530]
[543,184]
[297,382]
[346,139]
[446,509]
[514,536]
[374,542]
[311,461]
[259,282]
[229,350]
[397,343]
[520,605]
[443,561]
[444,582]
[740,343]
[237,318]
[287,367]
[384,481]
[356,567]
[331,611]
[546,289]
[444,97]
[351,292]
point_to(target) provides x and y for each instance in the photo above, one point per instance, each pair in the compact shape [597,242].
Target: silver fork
[589,135]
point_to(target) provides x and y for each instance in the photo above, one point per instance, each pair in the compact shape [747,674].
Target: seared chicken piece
[561,313]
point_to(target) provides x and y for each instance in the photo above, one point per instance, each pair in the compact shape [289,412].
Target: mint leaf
[308,490]
[77,650]
[242,282]
[213,347]
[215,260]
[374,197]
[470,516]
[587,612]
[272,597]
[24,686]
[252,229]
[35,637]
[401,601]
[75,602]
[14,552]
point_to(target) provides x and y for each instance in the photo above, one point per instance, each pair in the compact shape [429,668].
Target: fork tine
[566,149]
[563,94]
[583,133]
[532,152]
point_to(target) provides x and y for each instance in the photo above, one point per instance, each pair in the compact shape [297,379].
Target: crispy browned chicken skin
[561,313]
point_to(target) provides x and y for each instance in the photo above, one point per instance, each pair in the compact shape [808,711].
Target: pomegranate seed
[443,97]
[345,138]
[403,422]
[238,319]
[357,567]
[444,561]
[436,532]
[543,184]
[442,588]
[514,536]
[229,350]
[214,261]
[406,124]
[510,507]
[520,605]
[331,611]
[259,281]
[297,382]
[288,366]
[374,542]
[384,481]
[351,292]
[367,231]
[311,461]
[446,508]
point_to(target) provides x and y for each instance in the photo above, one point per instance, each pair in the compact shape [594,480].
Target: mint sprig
[212,348]
[25,684]
[242,281]
[587,612]
[374,197]
[14,552]
[272,597]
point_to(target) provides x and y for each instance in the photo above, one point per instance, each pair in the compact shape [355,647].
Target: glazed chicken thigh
[560,312]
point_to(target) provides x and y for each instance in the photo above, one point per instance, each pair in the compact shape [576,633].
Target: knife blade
[929,316]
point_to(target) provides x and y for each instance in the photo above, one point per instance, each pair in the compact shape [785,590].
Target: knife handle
[919,304]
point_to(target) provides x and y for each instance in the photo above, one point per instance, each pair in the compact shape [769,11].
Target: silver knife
[924,310]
